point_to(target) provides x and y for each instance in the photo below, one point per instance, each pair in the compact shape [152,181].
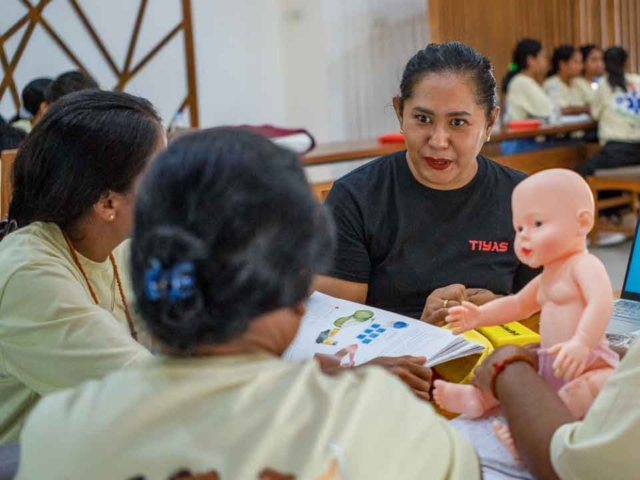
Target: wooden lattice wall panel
[125,70]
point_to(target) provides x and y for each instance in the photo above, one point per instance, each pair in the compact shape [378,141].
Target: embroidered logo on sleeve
[488,246]
[628,104]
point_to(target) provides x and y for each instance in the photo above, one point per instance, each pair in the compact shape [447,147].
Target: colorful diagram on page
[359,317]
[376,330]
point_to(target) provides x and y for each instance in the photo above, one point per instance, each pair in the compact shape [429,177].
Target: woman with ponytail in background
[66,314]
[525,97]
[616,106]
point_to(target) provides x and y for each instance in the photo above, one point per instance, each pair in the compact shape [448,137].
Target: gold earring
[488,138]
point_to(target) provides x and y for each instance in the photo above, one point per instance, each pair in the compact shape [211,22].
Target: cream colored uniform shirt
[564,95]
[587,89]
[526,99]
[52,334]
[618,112]
[238,416]
[604,445]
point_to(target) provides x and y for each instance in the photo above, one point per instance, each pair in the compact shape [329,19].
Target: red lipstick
[438,163]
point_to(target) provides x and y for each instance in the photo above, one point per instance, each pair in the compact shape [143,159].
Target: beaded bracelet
[499,367]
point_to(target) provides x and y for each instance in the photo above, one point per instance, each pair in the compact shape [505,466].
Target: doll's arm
[595,286]
[497,312]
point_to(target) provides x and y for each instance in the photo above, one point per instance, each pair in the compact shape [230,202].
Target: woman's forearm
[534,412]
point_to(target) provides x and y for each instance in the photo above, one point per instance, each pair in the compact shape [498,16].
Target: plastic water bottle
[556,116]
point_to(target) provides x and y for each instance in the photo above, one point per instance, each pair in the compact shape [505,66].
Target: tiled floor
[615,260]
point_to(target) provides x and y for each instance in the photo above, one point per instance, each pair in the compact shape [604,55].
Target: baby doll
[553,211]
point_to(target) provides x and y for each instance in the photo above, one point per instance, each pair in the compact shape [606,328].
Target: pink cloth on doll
[600,357]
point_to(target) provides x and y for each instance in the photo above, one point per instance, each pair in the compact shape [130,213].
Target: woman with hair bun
[228,237]
[422,229]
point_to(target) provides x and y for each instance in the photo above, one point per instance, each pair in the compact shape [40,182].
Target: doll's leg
[504,435]
[579,394]
[465,399]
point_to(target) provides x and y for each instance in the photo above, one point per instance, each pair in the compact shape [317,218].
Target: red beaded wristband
[499,367]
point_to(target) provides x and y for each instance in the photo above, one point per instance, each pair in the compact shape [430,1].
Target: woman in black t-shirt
[433,221]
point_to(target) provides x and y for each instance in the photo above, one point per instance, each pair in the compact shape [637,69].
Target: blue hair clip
[175,283]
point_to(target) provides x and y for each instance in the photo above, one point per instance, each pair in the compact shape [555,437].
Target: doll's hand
[463,318]
[571,359]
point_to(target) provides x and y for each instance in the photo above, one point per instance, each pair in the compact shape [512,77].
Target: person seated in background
[66,83]
[566,66]
[227,239]
[10,137]
[525,97]
[592,59]
[33,104]
[65,313]
[617,109]
[432,222]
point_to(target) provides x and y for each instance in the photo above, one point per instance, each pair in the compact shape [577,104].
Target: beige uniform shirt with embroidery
[52,334]
[564,95]
[604,445]
[617,111]
[587,89]
[526,99]
[238,416]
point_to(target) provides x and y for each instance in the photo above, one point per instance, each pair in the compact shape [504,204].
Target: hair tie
[175,283]
[513,66]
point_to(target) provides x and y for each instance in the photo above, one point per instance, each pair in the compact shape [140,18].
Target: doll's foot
[465,399]
[504,436]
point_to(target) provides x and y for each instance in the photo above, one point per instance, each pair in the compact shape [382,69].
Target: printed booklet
[358,333]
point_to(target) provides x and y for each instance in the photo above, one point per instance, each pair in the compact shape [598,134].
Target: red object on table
[391,138]
[524,124]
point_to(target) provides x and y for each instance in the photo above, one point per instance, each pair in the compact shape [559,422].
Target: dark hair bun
[168,250]
[235,212]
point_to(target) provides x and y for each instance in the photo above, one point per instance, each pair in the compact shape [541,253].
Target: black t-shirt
[405,239]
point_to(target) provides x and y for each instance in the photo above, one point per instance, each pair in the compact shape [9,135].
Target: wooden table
[358,149]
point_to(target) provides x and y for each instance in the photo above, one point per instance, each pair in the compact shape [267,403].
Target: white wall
[344,61]
[238,54]
[330,66]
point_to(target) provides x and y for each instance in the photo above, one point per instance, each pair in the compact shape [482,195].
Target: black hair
[33,94]
[615,59]
[69,82]
[587,49]
[87,144]
[237,208]
[563,53]
[525,48]
[451,57]
[10,137]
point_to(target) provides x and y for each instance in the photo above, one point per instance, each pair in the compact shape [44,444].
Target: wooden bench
[626,182]
[7,157]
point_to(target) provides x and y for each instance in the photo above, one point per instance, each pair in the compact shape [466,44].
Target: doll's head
[553,211]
